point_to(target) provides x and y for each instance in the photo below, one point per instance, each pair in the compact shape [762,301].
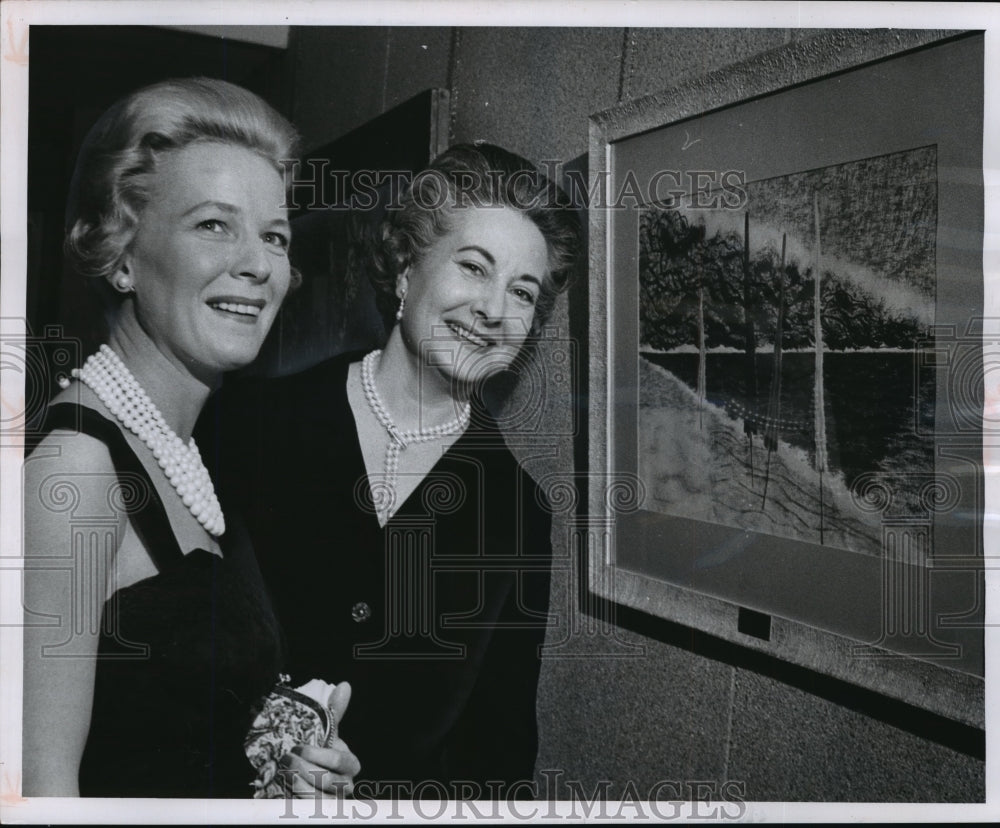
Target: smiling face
[209,260]
[470,297]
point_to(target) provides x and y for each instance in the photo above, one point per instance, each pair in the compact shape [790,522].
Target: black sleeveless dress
[183,658]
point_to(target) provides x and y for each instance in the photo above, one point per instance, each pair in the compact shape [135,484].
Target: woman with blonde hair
[160,639]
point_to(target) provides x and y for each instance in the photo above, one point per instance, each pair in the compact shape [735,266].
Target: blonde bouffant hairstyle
[111,181]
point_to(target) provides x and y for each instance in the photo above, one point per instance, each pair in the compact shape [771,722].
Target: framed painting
[786,348]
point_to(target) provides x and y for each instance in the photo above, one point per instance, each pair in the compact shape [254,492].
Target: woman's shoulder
[308,383]
[280,414]
[72,433]
[329,375]
[68,474]
[486,444]
[71,452]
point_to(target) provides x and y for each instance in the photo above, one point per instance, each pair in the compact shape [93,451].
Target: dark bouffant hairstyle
[469,175]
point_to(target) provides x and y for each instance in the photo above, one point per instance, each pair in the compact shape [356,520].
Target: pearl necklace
[399,440]
[106,375]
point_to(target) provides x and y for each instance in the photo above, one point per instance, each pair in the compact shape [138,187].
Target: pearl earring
[123,284]
[402,304]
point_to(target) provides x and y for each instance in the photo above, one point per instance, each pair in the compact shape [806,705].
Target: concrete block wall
[683,709]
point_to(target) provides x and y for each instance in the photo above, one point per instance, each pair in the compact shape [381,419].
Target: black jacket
[436,620]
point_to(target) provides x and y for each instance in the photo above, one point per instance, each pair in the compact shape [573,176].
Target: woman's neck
[176,392]
[416,395]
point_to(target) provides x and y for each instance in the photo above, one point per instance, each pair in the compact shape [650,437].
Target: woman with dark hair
[421,546]
[161,639]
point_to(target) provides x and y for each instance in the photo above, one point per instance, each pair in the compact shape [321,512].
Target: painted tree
[772,429]
[819,411]
[750,336]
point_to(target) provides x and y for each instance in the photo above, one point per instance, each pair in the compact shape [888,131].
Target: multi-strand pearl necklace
[106,375]
[399,440]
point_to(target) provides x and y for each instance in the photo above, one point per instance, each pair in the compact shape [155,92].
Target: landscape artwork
[777,347]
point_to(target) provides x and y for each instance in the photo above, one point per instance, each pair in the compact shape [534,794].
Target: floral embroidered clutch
[287,717]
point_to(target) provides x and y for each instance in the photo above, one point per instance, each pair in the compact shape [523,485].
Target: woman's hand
[309,771]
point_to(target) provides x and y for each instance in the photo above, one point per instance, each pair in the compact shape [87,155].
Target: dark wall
[624,697]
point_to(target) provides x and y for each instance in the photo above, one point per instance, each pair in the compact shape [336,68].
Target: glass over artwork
[776,349]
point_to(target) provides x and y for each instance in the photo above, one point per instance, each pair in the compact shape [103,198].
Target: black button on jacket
[436,620]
